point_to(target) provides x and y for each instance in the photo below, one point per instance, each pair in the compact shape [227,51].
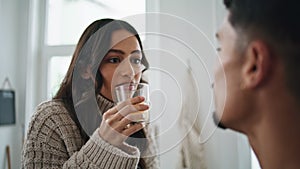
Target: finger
[114,119]
[123,112]
[133,129]
[129,109]
[136,116]
[132,117]
[111,111]
[108,114]
[130,101]
[136,100]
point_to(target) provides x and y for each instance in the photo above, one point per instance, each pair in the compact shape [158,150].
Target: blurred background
[37,39]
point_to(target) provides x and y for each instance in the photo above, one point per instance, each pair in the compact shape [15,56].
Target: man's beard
[218,121]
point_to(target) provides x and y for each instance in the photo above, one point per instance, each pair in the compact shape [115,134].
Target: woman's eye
[136,61]
[114,60]
[218,49]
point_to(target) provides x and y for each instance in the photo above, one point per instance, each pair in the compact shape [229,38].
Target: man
[257,83]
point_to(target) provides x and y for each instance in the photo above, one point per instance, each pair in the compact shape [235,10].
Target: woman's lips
[130,85]
[123,83]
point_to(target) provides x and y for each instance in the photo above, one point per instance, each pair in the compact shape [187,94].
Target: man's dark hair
[277,23]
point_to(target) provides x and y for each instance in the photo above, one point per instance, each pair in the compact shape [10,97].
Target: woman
[70,132]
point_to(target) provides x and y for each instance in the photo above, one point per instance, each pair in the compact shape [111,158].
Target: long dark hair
[93,45]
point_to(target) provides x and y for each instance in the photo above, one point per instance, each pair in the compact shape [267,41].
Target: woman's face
[122,63]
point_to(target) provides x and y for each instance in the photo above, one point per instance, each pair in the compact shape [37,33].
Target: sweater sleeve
[97,153]
[53,141]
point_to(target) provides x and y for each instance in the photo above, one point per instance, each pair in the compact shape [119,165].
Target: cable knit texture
[54,141]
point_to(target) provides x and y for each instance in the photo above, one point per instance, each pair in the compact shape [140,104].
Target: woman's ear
[87,73]
[257,64]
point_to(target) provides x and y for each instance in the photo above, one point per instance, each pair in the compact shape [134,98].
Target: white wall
[13,32]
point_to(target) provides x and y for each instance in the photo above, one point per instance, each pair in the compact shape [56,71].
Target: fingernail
[144,106]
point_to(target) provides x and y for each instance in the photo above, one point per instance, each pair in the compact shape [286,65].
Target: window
[57,70]
[254,161]
[65,20]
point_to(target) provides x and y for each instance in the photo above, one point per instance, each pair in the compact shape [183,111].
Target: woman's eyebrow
[122,52]
[136,51]
[116,51]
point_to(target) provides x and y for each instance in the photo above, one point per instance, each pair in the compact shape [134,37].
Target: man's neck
[276,138]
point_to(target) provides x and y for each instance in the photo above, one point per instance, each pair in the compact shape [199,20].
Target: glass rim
[130,83]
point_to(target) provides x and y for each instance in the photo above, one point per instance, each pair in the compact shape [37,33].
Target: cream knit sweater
[54,141]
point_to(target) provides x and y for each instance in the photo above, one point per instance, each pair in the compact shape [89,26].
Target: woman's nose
[126,69]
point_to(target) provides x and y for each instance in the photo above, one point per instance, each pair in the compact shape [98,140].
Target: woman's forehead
[121,35]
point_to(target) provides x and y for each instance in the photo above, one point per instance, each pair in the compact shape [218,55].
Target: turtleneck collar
[104,103]
[89,117]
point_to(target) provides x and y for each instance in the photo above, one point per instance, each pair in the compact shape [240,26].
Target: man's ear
[87,72]
[257,64]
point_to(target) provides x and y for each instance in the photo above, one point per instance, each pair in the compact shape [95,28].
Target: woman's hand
[117,125]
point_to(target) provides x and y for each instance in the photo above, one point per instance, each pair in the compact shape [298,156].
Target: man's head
[259,49]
